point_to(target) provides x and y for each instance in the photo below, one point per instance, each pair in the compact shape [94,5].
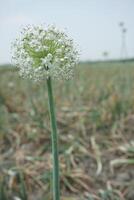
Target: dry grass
[95,114]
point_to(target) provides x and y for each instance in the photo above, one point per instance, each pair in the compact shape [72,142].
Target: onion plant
[43,54]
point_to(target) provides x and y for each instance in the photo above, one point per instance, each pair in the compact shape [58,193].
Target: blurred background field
[96,134]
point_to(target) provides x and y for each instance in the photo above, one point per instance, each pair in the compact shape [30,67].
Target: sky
[93,24]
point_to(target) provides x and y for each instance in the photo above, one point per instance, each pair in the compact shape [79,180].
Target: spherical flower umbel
[40,53]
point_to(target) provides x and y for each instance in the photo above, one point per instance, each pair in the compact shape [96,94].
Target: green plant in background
[3,195]
[46,54]
[13,176]
[23,193]
[109,194]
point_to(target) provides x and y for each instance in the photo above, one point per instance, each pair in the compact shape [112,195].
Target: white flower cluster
[41,53]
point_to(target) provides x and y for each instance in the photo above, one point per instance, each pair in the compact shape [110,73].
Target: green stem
[56,187]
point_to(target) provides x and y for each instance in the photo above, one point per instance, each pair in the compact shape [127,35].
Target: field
[95,116]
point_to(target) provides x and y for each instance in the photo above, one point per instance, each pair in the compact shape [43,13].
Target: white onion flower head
[40,53]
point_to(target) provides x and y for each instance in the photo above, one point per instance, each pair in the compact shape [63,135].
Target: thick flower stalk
[44,54]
